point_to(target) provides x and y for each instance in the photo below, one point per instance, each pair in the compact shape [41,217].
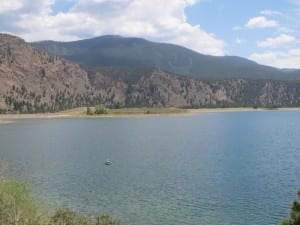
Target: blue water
[238,168]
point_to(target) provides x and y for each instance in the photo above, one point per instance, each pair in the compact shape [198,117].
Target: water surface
[237,168]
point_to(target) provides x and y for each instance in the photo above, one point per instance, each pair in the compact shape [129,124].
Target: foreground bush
[68,217]
[294,214]
[18,207]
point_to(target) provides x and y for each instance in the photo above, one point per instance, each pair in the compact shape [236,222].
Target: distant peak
[111,36]
[7,38]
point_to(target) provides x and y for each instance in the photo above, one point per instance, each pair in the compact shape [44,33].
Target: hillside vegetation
[117,51]
[34,81]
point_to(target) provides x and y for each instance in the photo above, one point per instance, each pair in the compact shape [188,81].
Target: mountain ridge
[118,51]
[32,80]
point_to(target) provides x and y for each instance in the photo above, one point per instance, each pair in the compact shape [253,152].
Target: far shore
[130,112]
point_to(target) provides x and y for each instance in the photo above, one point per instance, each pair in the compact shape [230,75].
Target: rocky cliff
[160,89]
[32,80]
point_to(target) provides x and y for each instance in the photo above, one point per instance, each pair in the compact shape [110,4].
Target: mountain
[32,80]
[120,52]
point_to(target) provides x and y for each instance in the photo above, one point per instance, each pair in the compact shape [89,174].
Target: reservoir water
[237,168]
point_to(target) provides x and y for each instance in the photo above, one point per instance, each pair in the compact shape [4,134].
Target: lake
[233,168]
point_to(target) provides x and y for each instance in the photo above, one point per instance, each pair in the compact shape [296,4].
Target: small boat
[108,162]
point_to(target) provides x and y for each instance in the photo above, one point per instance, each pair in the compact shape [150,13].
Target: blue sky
[266,31]
[228,19]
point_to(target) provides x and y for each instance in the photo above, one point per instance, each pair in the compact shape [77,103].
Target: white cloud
[278,41]
[10,5]
[157,20]
[277,59]
[261,22]
[295,52]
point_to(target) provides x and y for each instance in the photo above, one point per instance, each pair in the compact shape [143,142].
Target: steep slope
[116,51]
[33,81]
[160,89]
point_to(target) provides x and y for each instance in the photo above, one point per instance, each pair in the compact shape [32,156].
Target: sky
[266,31]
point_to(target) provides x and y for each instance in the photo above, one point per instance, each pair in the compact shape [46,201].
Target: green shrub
[294,213]
[17,206]
[68,217]
[106,219]
[100,109]
[89,111]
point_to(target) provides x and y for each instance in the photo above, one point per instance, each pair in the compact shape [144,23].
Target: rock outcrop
[32,80]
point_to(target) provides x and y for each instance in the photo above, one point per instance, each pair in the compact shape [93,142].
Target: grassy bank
[144,111]
[82,113]
[129,112]
[123,112]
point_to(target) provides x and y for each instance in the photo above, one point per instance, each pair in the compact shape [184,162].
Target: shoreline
[80,113]
[3,121]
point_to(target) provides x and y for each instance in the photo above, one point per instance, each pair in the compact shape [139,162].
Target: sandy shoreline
[217,110]
[8,118]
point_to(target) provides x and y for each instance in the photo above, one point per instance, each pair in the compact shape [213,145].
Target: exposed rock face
[31,79]
[34,81]
[161,89]
[112,92]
